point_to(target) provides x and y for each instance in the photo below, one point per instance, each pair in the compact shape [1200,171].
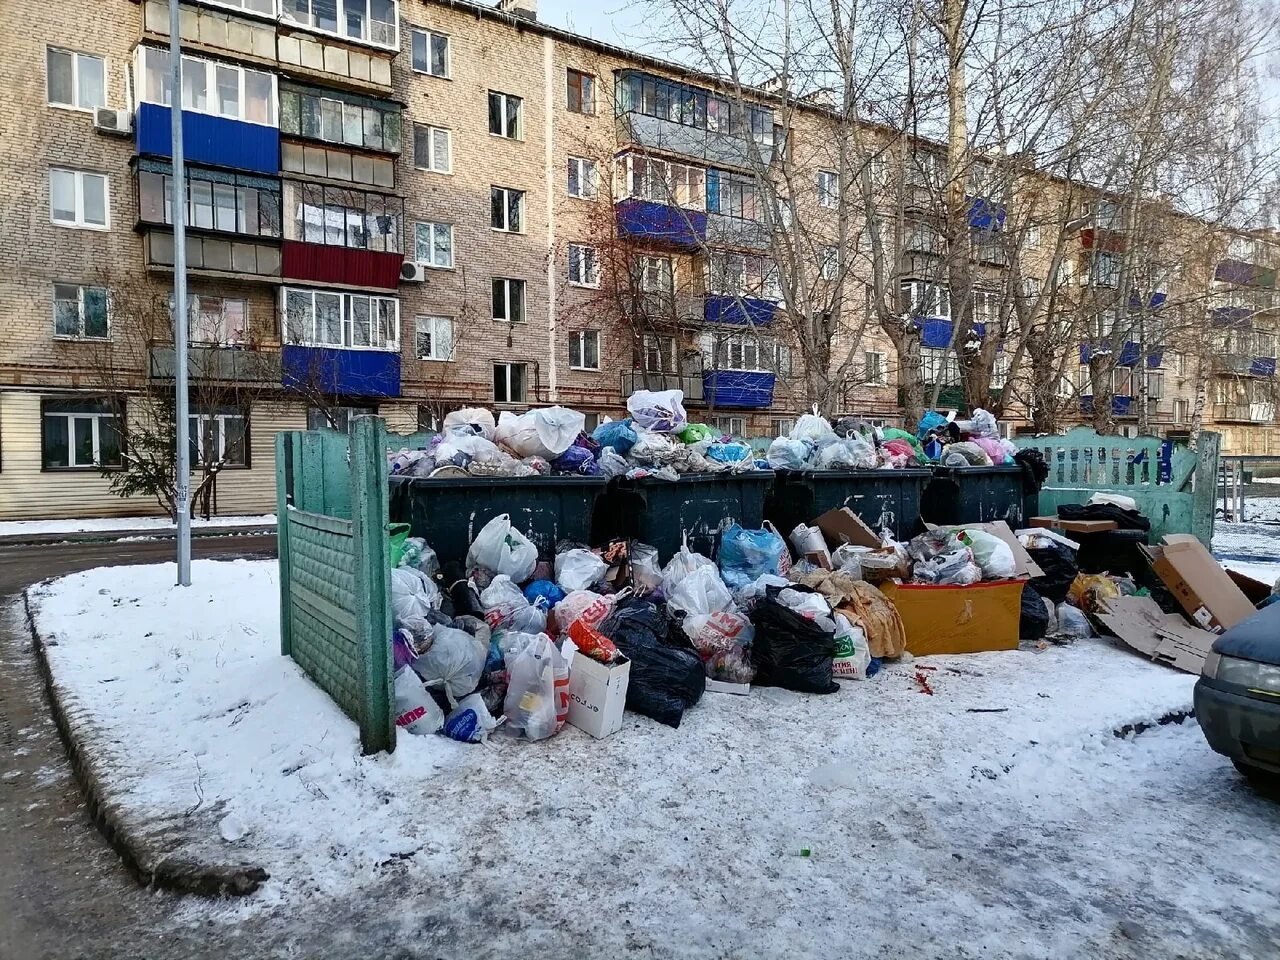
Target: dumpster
[449,511]
[697,507]
[881,498]
[978,495]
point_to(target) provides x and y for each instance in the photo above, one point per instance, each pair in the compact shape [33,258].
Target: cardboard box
[1075,526]
[940,618]
[1255,591]
[597,694]
[1198,582]
[842,525]
[724,686]
[1164,637]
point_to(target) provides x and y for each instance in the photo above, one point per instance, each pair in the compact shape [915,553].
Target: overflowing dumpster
[978,495]
[883,499]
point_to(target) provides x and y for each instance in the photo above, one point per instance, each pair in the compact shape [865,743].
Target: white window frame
[986,306]
[436,322]
[510,284]
[196,431]
[588,178]
[524,381]
[732,426]
[346,322]
[935,296]
[504,99]
[663,269]
[653,345]
[584,259]
[240,7]
[428,36]
[1097,277]
[781,426]
[433,132]
[828,189]
[660,181]
[95,420]
[506,209]
[578,339]
[76,56]
[78,221]
[880,377]
[391,42]
[80,289]
[433,229]
[829,268]
[211,68]
[1031,239]
[196,304]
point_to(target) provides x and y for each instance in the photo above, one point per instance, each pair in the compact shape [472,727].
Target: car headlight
[1262,677]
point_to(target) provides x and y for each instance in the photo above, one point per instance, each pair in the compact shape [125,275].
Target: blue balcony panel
[1263,367]
[349,373]
[985,214]
[1153,301]
[743,311]
[936,332]
[661,224]
[1129,354]
[1119,405]
[747,389]
[215,141]
[1234,318]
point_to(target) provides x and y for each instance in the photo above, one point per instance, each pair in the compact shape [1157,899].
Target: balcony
[339,235]
[692,386]
[240,33]
[742,389]
[215,256]
[663,226]
[1120,406]
[227,364]
[1129,354]
[1244,274]
[318,263]
[740,311]
[736,233]
[1244,412]
[1242,365]
[206,139]
[334,371]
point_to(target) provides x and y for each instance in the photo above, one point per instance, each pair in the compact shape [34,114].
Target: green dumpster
[448,512]
[978,495]
[881,498]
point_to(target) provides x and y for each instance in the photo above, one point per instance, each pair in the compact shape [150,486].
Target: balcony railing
[633,380]
[660,224]
[734,232]
[1245,412]
[221,255]
[234,364]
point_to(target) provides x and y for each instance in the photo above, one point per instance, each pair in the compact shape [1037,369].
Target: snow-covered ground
[997,817]
[114,524]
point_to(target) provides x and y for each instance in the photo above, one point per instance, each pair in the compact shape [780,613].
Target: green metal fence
[335,612]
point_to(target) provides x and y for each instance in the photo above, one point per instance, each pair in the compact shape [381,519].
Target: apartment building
[403,206]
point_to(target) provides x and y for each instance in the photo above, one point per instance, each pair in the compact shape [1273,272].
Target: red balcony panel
[319,263]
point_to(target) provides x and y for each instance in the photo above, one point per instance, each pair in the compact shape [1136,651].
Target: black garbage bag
[1125,519]
[1034,622]
[1060,568]
[1034,470]
[665,681]
[790,650]
[1113,551]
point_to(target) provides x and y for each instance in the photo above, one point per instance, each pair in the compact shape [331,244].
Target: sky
[612,21]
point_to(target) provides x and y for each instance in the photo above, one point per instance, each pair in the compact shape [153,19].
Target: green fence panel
[1083,462]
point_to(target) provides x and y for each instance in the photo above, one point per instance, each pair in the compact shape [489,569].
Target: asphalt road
[63,890]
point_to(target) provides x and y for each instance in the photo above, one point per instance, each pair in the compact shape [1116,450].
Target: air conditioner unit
[117,122]
[411,271]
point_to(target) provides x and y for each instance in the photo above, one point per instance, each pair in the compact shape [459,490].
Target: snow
[9,528]
[1015,833]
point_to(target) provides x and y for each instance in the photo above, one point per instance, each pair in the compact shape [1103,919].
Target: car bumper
[1240,727]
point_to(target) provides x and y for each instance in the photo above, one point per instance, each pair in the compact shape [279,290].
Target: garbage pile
[657,440]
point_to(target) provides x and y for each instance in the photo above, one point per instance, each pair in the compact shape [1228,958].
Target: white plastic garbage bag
[788,454]
[546,432]
[811,606]
[578,569]
[413,593]
[505,608]
[470,721]
[590,608]
[469,446]
[757,589]
[813,428]
[661,411]
[501,548]
[475,419]
[416,711]
[653,448]
[646,572]
[531,703]
[700,591]
[683,563]
[991,554]
[854,453]
[853,656]
[611,463]
[454,662]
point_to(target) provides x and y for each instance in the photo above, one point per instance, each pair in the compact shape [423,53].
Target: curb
[112,536]
[151,867]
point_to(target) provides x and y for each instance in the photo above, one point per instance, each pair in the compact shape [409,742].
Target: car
[1237,697]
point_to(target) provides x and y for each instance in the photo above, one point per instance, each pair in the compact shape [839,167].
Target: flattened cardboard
[1200,584]
[953,619]
[1074,526]
[1023,565]
[1165,638]
[842,525]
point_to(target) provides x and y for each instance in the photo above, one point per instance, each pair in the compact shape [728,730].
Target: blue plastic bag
[746,555]
[543,594]
[929,421]
[729,452]
[617,434]
[576,460]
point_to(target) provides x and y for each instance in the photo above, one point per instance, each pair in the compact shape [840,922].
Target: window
[335,117]
[508,383]
[584,181]
[80,312]
[828,188]
[591,421]
[373,21]
[220,436]
[654,275]
[584,349]
[219,89]
[732,195]
[266,7]
[504,115]
[506,208]
[830,266]
[336,418]
[873,372]
[1107,214]
[584,265]
[81,433]
[729,426]
[508,300]
[1031,239]
[216,200]
[1105,270]
[938,365]
[662,181]
[428,419]
[986,306]
[780,427]
[694,107]
[343,217]
[218,320]
[435,338]
[433,244]
[737,274]
[658,354]
[75,80]
[78,199]
[581,92]
[432,148]
[1181,411]
[320,318]
[922,299]
[431,53]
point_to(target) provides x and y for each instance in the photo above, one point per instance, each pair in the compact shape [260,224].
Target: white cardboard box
[597,695]
[723,686]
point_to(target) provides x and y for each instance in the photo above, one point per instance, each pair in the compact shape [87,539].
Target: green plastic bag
[893,433]
[694,432]
[397,534]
